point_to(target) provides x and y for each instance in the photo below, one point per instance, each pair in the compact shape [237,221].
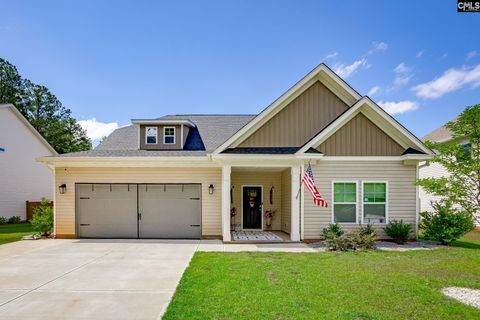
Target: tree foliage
[461,158]
[43,110]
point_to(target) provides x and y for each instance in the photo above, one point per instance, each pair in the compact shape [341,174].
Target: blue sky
[116,60]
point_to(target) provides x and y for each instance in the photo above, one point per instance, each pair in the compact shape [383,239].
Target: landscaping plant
[42,220]
[3,220]
[14,220]
[337,240]
[398,231]
[446,224]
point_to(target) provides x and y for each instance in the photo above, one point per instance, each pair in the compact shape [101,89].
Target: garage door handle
[194,225]
[84,198]
[194,198]
[84,224]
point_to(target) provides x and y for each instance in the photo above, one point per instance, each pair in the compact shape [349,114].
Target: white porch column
[226,173]
[295,203]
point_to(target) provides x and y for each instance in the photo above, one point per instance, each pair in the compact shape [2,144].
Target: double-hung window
[344,202]
[169,135]
[151,135]
[375,202]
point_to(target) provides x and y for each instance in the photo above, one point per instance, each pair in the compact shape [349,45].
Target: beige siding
[401,191]
[299,121]
[264,179]
[286,200]
[159,144]
[211,204]
[434,170]
[360,137]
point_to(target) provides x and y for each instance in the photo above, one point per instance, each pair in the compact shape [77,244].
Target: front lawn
[14,232]
[370,285]
[470,240]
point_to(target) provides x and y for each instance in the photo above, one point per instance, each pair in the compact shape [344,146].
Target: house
[22,178]
[182,176]
[435,170]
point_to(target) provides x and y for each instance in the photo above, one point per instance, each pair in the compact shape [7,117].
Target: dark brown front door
[252,208]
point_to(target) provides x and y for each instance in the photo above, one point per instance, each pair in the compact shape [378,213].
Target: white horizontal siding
[401,191]
[434,170]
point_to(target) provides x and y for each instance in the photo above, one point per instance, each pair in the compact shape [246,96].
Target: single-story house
[202,176]
[22,178]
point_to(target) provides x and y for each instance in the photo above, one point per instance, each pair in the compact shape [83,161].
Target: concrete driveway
[90,279]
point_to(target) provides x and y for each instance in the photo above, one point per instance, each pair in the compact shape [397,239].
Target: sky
[112,61]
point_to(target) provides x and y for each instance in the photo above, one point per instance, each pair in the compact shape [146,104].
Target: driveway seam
[60,276]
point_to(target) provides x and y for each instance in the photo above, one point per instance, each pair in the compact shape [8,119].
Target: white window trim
[174,135]
[385,203]
[146,135]
[356,202]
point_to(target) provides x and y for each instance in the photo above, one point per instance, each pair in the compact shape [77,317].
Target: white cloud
[398,107]
[450,80]
[443,57]
[96,130]
[402,76]
[378,46]
[402,68]
[419,54]
[330,56]
[346,71]
[373,91]
[471,54]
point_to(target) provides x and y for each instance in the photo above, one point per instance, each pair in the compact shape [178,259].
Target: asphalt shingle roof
[214,130]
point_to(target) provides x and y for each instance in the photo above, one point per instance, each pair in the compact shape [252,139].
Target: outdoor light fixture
[62,188]
[211,188]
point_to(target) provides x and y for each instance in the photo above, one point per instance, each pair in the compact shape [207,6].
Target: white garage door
[139,211]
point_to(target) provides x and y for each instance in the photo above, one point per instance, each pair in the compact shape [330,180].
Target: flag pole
[300,184]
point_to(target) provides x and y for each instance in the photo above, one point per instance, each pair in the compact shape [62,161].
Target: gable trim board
[29,126]
[379,117]
[321,73]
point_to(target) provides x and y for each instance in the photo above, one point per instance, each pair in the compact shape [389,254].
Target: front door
[252,208]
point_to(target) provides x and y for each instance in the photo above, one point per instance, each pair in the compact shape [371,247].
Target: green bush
[14,219]
[398,231]
[3,220]
[362,239]
[42,220]
[445,224]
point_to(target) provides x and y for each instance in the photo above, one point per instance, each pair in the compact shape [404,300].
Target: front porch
[260,204]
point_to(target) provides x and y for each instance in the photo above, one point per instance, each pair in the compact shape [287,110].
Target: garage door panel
[107,211]
[170,211]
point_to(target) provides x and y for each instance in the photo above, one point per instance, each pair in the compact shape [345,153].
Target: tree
[461,158]
[43,110]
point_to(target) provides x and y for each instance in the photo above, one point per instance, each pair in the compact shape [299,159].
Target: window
[375,202]
[344,202]
[151,135]
[169,135]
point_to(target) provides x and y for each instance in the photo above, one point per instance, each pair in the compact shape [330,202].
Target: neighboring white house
[21,177]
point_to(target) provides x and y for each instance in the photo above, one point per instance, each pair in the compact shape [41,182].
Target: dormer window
[151,135]
[169,135]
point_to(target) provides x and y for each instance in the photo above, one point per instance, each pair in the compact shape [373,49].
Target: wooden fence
[30,205]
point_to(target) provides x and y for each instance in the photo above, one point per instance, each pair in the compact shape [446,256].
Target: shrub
[3,220]
[336,240]
[445,224]
[14,219]
[398,231]
[42,220]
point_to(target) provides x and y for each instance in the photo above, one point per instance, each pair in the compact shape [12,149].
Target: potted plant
[268,217]
[233,213]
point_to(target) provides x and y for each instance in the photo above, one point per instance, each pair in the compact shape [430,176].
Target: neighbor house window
[169,135]
[151,135]
[344,202]
[375,202]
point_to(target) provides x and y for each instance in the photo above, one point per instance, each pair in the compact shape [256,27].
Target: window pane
[169,131]
[344,213]
[379,198]
[151,139]
[350,197]
[380,187]
[368,188]
[169,140]
[374,213]
[338,197]
[338,187]
[350,187]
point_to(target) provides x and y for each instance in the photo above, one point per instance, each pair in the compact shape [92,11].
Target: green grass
[470,240]
[368,285]
[14,232]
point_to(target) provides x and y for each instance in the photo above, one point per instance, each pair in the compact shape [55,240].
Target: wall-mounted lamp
[62,188]
[211,188]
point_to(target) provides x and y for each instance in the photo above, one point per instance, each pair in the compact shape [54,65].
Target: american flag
[310,184]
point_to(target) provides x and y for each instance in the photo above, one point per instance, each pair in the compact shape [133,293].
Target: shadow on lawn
[466,244]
